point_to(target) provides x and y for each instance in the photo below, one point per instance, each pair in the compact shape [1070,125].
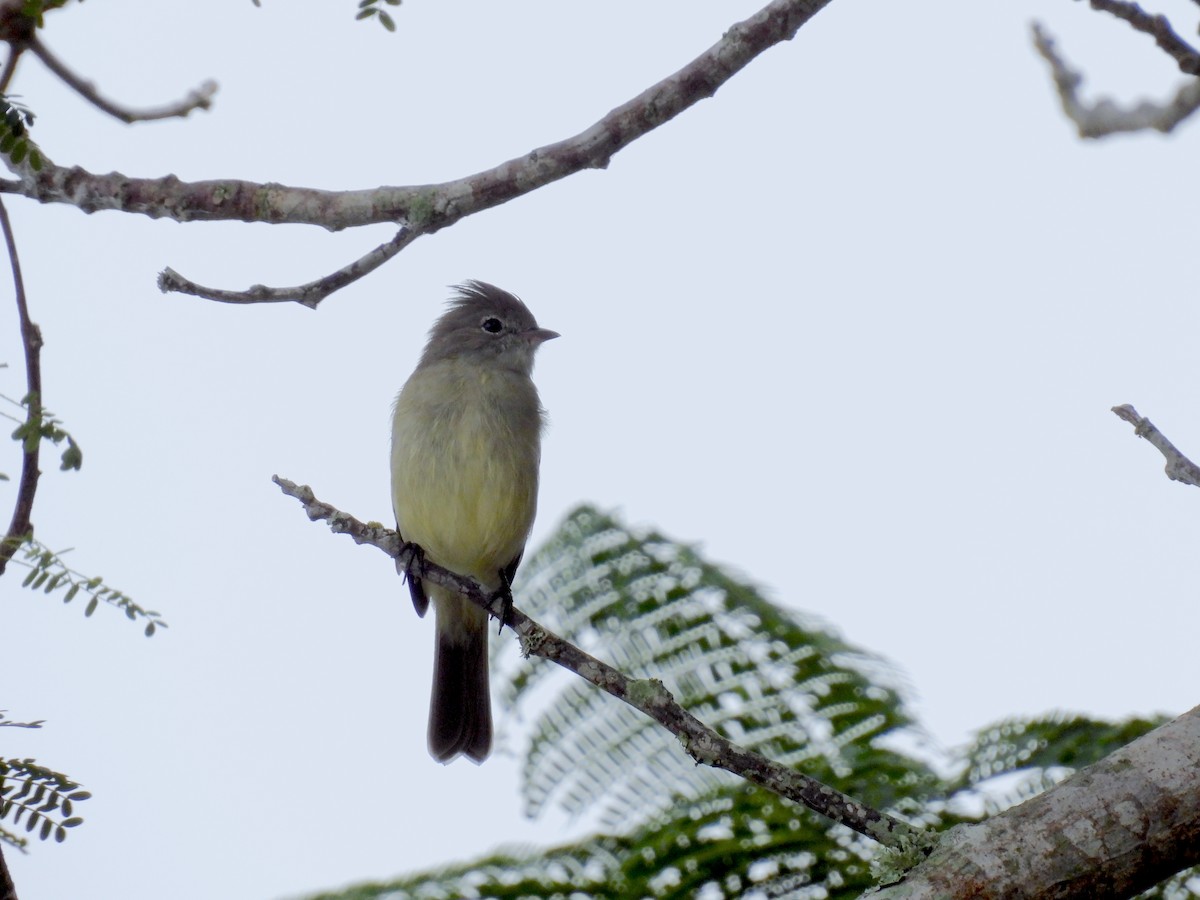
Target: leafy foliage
[48,573]
[369,8]
[44,799]
[771,679]
[767,677]
[15,121]
[41,425]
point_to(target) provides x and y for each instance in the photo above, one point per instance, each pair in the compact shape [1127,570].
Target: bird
[465,454]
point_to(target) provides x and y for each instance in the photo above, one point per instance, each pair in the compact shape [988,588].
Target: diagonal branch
[1178,467]
[648,695]
[305,294]
[21,526]
[200,98]
[1159,28]
[424,209]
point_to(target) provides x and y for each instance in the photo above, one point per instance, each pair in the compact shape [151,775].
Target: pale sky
[854,325]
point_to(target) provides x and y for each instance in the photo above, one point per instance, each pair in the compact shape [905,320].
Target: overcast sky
[854,325]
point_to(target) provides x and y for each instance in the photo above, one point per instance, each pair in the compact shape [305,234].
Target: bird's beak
[538,336]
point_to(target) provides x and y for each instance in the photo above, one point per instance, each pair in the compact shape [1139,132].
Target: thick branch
[647,695]
[21,525]
[1105,117]
[200,98]
[424,209]
[1111,830]
[1178,467]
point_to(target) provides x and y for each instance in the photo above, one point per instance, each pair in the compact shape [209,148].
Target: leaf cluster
[34,9]
[39,425]
[369,8]
[15,121]
[48,573]
[43,798]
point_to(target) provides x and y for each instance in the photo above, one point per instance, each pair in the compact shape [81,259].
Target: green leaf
[19,151]
[362,15]
[91,607]
[386,21]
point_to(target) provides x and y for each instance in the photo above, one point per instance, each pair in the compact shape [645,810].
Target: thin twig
[21,526]
[1105,117]
[647,695]
[424,209]
[200,98]
[1178,467]
[10,66]
[306,294]
[1158,27]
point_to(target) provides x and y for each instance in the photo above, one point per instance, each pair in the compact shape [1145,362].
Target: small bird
[466,446]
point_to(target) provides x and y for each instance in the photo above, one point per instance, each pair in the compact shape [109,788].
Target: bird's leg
[504,595]
[416,588]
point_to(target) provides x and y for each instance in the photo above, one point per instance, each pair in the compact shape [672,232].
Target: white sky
[855,325]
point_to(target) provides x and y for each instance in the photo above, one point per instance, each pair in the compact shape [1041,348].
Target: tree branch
[1105,117]
[422,209]
[1159,28]
[8,890]
[1110,830]
[200,98]
[21,526]
[648,695]
[306,294]
[1178,467]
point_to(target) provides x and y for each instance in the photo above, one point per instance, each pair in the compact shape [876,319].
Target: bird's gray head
[486,324]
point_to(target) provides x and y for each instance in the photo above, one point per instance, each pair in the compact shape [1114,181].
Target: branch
[649,696]
[1105,117]
[1178,467]
[21,526]
[1110,830]
[306,294]
[8,891]
[1159,28]
[423,209]
[200,98]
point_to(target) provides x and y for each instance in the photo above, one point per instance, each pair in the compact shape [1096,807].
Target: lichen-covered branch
[649,695]
[1111,830]
[1105,117]
[1178,467]
[423,209]
[1159,28]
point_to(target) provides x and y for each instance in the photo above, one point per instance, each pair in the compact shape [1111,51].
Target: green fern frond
[773,680]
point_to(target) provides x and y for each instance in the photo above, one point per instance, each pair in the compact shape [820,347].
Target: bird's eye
[492,325]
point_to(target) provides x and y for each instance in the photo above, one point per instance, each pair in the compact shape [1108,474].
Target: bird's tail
[460,711]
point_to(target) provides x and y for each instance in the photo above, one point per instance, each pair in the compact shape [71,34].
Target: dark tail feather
[460,712]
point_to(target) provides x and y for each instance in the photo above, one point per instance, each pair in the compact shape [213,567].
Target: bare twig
[1105,117]
[200,98]
[1159,28]
[21,525]
[306,294]
[424,209]
[1178,467]
[647,695]
[10,66]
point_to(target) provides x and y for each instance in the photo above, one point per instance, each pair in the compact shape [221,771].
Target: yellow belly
[465,454]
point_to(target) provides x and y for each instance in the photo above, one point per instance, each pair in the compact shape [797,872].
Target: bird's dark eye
[492,325]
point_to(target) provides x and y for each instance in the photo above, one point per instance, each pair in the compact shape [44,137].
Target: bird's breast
[465,454]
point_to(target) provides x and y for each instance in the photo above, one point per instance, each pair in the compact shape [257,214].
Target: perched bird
[466,445]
